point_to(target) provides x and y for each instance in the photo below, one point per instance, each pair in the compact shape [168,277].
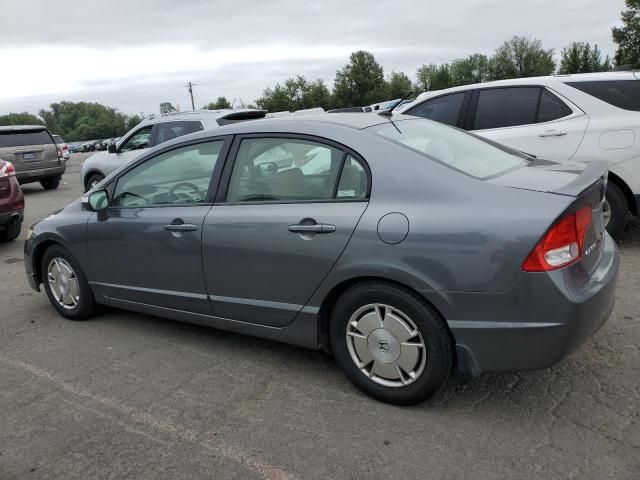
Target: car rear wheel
[93,180]
[66,285]
[11,233]
[615,210]
[50,183]
[391,343]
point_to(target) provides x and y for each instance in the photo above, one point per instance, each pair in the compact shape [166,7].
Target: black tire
[435,334]
[94,177]
[50,183]
[86,305]
[619,209]
[12,232]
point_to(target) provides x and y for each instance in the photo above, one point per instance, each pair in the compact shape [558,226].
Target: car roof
[203,114]
[543,80]
[17,128]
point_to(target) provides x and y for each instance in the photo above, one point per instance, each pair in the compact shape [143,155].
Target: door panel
[133,257]
[558,140]
[257,270]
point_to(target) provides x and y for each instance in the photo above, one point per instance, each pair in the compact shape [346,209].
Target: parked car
[11,203]
[34,154]
[90,146]
[75,147]
[153,131]
[565,118]
[416,248]
[62,146]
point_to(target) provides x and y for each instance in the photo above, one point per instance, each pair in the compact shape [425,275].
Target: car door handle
[552,133]
[180,227]
[317,228]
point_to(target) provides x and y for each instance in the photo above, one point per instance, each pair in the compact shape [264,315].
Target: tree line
[77,121]
[362,81]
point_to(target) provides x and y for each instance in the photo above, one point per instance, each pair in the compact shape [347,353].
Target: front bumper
[542,319]
[27,176]
[28,265]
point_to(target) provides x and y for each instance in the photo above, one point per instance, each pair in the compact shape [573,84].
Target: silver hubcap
[63,283]
[386,345]
[606,212]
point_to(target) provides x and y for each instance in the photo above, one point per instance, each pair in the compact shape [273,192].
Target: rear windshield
[22,139]
[451,147]
[623,94]
[58,139]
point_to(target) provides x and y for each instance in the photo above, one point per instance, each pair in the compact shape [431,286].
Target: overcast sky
[135,54]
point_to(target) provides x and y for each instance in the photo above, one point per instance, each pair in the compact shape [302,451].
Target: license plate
[29,156]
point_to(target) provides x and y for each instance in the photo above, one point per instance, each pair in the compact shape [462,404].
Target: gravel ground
[132,396]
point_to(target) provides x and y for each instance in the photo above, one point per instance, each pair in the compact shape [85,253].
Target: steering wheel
[173,196]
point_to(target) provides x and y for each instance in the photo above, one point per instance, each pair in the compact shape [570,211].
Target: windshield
[451,147]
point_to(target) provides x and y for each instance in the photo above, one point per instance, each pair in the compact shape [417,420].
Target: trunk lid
[586,183]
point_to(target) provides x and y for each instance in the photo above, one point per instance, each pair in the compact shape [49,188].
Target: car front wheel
[93,180]
[391,343]
[66,285]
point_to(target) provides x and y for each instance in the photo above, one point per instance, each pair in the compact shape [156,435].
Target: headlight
[29,233]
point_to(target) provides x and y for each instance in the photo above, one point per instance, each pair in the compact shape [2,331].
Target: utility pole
[190,88]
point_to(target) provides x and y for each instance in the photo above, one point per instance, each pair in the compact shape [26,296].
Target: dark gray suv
[405,247]
[34,154]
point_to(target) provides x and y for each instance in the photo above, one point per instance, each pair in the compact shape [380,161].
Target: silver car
[153,131]
[406,247]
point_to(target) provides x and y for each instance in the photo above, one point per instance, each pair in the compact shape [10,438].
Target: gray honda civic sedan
[407,248]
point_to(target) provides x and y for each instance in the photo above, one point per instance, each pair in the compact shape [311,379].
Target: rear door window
[506,107]
[290,170]
[166,131]
[444,109]
[25,138]
[623,94]
[551,107]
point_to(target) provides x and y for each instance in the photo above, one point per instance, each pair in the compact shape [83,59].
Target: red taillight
[7,169]
[562,245]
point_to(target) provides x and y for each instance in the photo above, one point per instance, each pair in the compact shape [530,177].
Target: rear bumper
[543,319]
[27,176]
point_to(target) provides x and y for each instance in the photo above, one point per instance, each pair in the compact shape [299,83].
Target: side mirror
[112,148]
[96,201]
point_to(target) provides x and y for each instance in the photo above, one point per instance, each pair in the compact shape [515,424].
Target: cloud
[133,55]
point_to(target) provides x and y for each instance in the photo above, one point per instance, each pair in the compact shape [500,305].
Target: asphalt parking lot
[132,396]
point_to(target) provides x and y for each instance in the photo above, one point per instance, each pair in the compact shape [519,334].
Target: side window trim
[232,154]
[215,176]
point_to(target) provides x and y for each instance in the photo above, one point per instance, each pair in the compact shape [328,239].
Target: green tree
[295,94]
[23,118]
[398,85]
[86,121]
[522,57]
[434,77]
[580,57]
[360,82]
[628,36]
[475,68]
[220,104]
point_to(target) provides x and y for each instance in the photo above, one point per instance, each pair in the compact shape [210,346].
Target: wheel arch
[626,191]
[38,253]
[330,299]
[88,174]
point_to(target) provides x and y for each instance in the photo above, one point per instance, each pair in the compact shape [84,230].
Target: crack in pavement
[217,446]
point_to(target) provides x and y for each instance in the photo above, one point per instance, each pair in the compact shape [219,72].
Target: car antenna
[387,112]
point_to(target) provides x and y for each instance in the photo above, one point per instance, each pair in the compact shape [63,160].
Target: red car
[11,203]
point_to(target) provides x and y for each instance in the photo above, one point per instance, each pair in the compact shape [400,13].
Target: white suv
[565,118]
[153,131]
